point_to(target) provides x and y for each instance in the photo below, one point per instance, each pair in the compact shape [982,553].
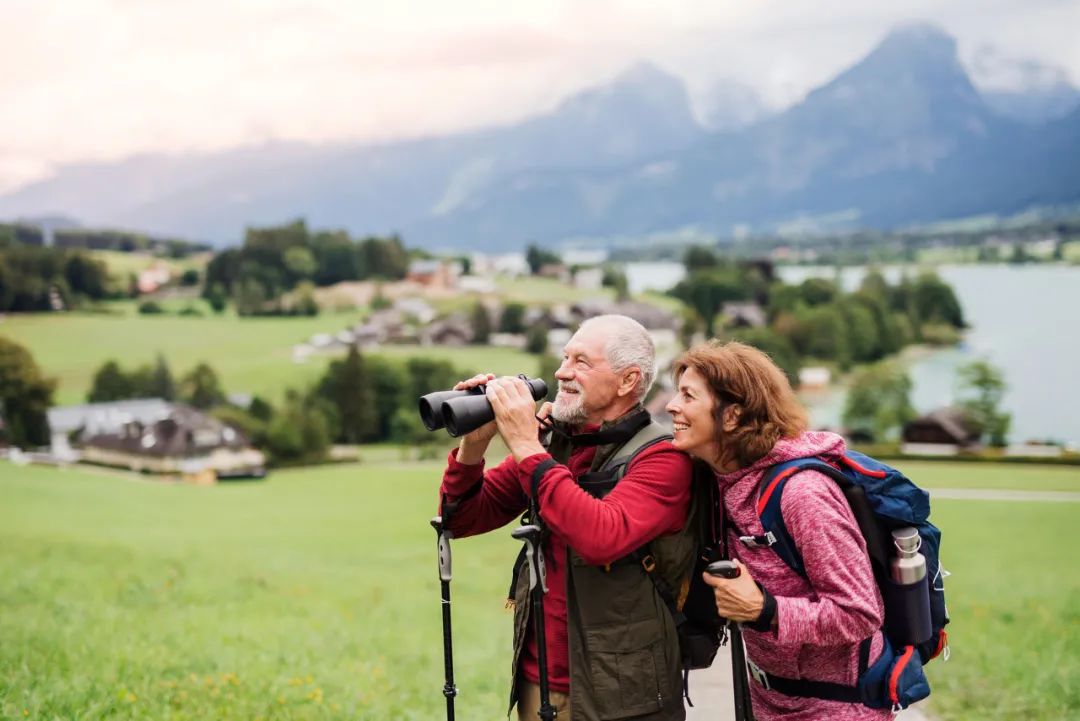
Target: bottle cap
[907,539]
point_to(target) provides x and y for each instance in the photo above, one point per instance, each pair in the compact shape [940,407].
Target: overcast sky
[102,79]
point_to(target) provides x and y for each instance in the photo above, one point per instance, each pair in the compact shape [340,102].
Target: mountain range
[901,137]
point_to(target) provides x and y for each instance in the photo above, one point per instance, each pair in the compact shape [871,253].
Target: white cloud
[94,79]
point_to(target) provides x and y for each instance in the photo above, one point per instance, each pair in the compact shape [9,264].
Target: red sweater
[649,501]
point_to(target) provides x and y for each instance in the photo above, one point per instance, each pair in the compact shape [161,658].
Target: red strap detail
[943,640]
[898,669]
[867,471]
[764,499]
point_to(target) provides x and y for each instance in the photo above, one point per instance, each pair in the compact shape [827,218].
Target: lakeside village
[193,429]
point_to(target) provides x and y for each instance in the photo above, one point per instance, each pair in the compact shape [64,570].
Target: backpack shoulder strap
[649,435]
[770,493]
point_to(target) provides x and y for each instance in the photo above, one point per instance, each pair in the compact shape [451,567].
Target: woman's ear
[731,417]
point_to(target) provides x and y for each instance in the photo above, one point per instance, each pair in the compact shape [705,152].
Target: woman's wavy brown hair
[743,376]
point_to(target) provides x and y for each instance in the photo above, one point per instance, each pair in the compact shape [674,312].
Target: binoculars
[462,412]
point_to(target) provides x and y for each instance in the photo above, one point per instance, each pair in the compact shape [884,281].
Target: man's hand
[473,445]
[738,599]
[515,415]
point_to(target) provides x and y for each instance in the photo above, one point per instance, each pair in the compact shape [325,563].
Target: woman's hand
[738,599]
[515,414]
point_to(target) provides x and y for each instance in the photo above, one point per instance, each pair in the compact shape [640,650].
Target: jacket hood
[821,444]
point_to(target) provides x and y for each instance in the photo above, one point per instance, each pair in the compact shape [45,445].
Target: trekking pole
[739,682]
[444,536]
[534,556]
[743,710]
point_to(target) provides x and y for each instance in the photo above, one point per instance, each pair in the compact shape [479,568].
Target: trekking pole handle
[723,569]
[534,556]
[444,548]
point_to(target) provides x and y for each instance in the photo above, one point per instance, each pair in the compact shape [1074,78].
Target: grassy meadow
[252,355]
[314,595]
[992,476]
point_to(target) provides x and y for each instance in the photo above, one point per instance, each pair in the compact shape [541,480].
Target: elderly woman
[735,410]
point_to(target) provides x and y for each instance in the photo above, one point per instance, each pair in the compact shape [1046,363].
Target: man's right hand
[473,445]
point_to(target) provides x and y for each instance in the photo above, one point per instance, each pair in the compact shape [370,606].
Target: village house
[591,278]
[152,278]
[744,315]
[480,285]
[556,271]
[650,316]
[454,330]
[556,316]
[67,424]
[433,273]
[418,308]
[814,378]
[390,325]
[943,432]
[154,436]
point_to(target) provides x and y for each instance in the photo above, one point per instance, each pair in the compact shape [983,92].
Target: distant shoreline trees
[815,320]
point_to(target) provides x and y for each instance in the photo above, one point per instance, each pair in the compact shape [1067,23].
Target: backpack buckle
[759,541]
[648,563]
[757,673]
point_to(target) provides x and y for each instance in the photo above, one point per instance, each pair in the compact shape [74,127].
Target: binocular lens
[431,406]
[462,412]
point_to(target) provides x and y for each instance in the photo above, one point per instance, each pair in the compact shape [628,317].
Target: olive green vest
[624,651]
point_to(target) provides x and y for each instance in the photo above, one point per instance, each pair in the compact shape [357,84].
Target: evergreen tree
[161,381]
[110,384]
[348,387]
[512,319]
[537,258]
[481,324]
[201,387]
[699,257]
[25,397]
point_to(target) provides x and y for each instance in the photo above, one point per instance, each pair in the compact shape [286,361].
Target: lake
[1023,319]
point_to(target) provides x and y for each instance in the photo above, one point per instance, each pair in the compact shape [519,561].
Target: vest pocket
[626,662]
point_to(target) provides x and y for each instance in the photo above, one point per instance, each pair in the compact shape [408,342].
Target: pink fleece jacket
[820,622]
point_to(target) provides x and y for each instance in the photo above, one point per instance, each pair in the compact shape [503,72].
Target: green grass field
[992,476]
[251,355]
[313,595]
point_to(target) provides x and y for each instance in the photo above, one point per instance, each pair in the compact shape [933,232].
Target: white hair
[627,345]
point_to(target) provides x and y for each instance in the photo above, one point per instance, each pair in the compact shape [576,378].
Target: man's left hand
[515,414]
[738,599]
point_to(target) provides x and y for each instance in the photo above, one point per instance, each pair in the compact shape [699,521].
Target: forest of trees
[275,261]
[36,278]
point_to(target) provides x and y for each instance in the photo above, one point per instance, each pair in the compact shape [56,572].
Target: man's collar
[614,431]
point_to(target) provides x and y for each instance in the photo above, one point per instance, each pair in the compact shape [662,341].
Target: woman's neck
[722,466]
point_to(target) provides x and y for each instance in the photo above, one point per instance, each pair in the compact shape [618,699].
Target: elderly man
[613,495]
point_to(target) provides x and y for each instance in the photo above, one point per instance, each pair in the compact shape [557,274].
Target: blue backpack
[882,499]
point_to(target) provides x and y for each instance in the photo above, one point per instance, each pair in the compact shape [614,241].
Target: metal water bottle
[908,596]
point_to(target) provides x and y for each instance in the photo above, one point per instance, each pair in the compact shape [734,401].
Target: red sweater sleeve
[650,500]
[847,604]
[486,501]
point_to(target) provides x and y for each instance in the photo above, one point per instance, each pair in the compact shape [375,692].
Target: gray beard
[574,414]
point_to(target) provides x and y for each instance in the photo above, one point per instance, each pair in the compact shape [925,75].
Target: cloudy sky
[85,80]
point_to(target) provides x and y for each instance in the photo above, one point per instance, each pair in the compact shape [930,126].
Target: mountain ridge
[900,136]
